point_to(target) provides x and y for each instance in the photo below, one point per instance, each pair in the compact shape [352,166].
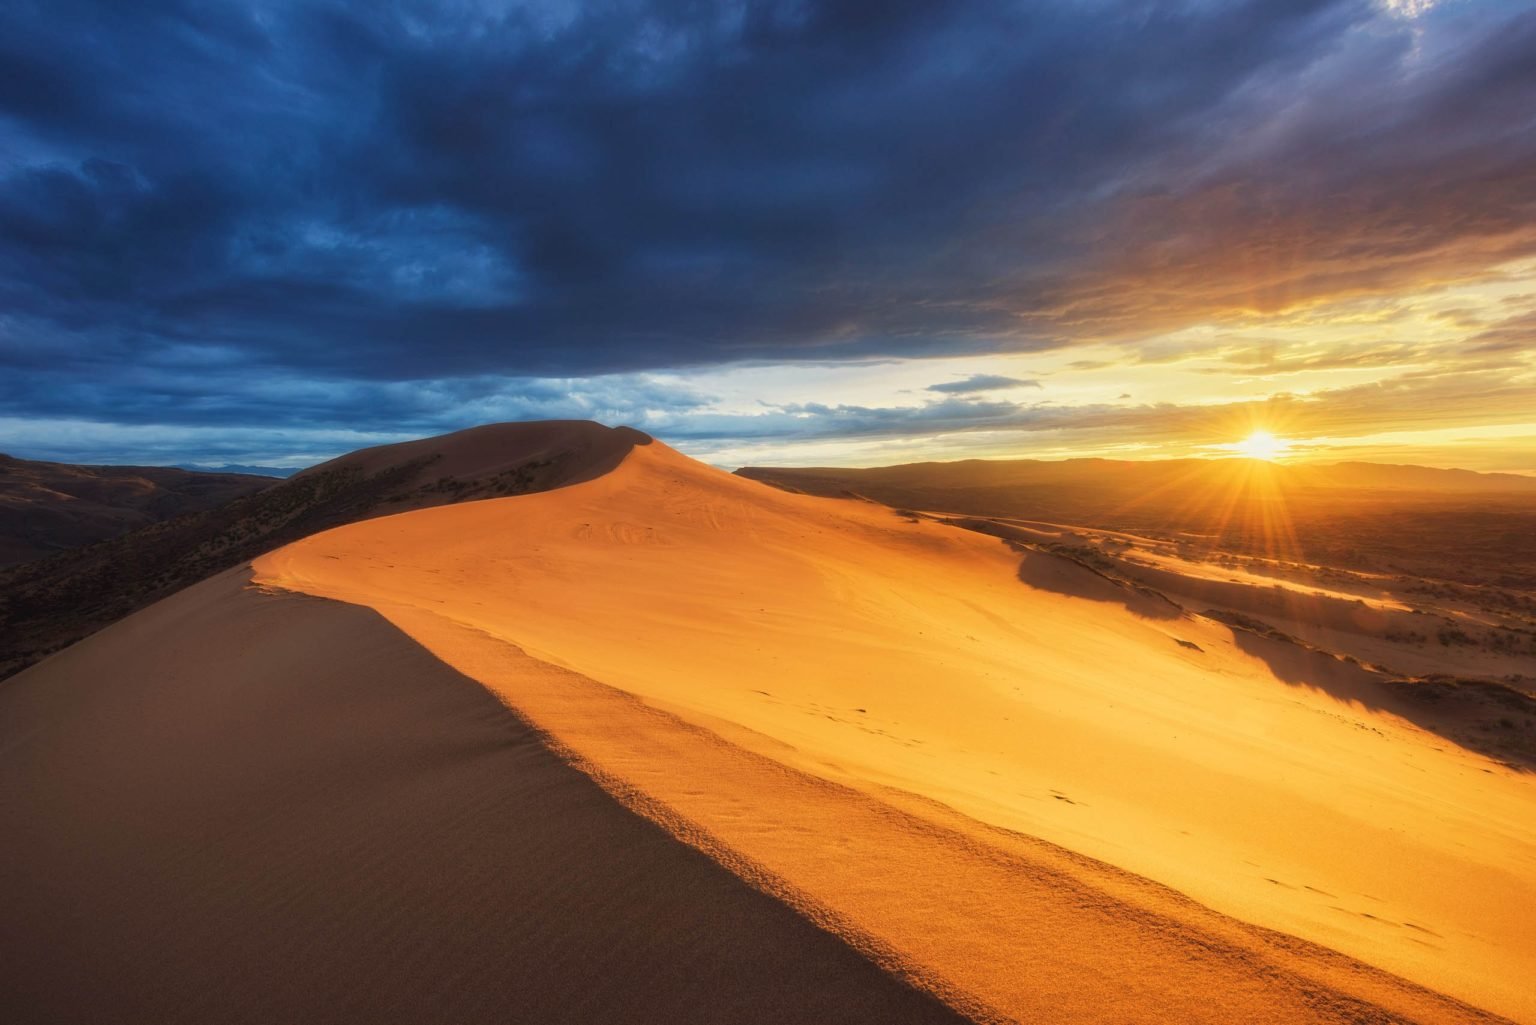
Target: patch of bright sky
[920,448]
[90,441]
[1307,351]
[1407,8]
[1237,359]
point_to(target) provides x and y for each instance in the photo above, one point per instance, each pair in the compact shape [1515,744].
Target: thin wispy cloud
[982,383]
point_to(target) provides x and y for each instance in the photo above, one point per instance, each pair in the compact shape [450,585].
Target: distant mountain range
[1137,475]
[52,507]
[1450,524]
[259,471]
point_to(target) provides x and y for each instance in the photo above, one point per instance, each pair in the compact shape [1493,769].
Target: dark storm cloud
[359,195]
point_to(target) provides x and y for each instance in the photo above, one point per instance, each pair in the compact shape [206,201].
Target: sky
[841,233]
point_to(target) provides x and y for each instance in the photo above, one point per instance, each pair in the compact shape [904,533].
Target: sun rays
[1262,444]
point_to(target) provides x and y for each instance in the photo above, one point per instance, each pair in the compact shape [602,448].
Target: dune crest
[561,452]
[914,664]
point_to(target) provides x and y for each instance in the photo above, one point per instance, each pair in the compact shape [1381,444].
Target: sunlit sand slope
[237,807]
[907,671]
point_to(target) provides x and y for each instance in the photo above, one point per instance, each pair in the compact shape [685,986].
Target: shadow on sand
[1482,716]
[1060,574]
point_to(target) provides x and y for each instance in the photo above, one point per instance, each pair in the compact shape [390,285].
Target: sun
[1262,445]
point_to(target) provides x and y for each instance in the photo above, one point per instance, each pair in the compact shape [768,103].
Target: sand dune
[51,604]
[240,807]
[552,452]
[869,715]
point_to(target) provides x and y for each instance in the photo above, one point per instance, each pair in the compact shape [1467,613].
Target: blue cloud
[345,201]
[982,383]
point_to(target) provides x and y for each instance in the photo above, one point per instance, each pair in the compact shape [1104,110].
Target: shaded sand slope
[908,661]
[548,453]
[240,807]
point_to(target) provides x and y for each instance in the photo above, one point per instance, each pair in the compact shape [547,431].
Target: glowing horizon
[1262,445]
